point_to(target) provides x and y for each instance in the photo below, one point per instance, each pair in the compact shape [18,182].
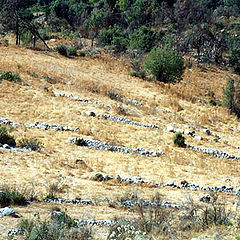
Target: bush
[228,93]
[142,39]
[233,59]
[179,140]
[67,51]
[63,50]
[82,54]
[11,197]
[60,227]
[5,138]
[72,51]
[10,76]
[33,143]
[164,64]
[113,36]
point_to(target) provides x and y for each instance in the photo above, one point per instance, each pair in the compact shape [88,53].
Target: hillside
[145,110]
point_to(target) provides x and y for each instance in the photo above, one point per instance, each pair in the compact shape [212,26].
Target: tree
[231,96]
[142,39]
[234,53]
[166,65]
[17,16]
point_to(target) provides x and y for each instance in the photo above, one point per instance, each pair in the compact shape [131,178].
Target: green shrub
[72,51]
[60,227]
[142,39]
[33,143]
[10,76]
[63,50]
[67,51]
[179,140]
[11,197]
[5,138]
[113,36]
[164,64]
[120,43]
[233,59]
[82,54]
[4,42]
[228,94]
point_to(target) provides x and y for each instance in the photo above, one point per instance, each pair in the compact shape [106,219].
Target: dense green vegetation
[204,27]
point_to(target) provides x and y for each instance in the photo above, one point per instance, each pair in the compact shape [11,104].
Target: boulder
[170,128]
[6,212]
[90,113]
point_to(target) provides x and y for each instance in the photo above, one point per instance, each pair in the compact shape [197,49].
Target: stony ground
[97,99]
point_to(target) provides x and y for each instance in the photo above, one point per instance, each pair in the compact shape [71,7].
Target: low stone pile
[94,222]
[214,152]
[134,102]
[96,144]
[39,125]
[146,203]
[16,231]
[81,99]
[69,201]
[127,121]
[124,203]
[170,183]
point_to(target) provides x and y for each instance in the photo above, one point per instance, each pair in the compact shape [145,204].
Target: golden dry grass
[29,102]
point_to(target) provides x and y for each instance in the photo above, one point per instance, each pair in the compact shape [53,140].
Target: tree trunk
[17,33]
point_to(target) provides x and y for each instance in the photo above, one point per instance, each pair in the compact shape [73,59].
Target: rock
[170,128]
[186,131]
[90,113]
[227,179]
[118,178]
[137,179]
[98,177]
[11,232]
[184,183]
[6,212]
[71,140]
[198,137]
[238,190]
[179,130]
[170,183]
[207,131]
[6,146]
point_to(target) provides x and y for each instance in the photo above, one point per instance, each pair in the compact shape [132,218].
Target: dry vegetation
[184,103]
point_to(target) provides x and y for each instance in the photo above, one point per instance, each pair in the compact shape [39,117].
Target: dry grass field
[185,103]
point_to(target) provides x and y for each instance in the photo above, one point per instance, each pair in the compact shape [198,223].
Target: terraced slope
[53,104]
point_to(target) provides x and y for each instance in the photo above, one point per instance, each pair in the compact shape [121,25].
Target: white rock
[71,140]
[6,211]
[207,131]
[187,132]
[198,137]
[90,113]
[179,130]
[170,128]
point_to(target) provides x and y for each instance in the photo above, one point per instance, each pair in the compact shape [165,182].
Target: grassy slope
[23,104]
